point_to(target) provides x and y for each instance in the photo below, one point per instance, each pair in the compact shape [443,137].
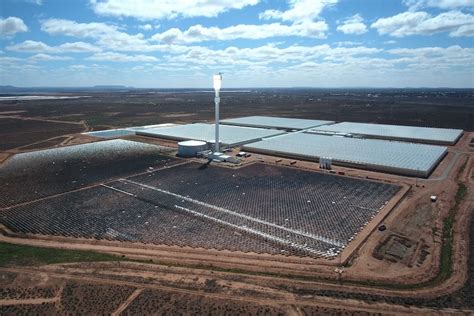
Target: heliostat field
[35,175]
[257,208]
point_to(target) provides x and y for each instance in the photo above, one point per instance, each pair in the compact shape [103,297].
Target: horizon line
[226,88]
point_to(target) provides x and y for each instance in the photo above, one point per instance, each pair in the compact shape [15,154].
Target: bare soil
[18,132]
[207,281]
[438,108]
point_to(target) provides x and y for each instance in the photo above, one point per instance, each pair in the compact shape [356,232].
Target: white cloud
[78,67]
[110,56]
[453,52]
[435,58]
[11,26]
[320,65]
[264,55]
[46,57]
[199,33]
[167,9]
[348,43]
[108,36]
[422,23]
[37,2]
[299,10]
[401,24]
[353,25]
[465,30]
[340,65]
[442,4]
[146,27]
[433,66]
[72,28]
[7,60]
[40,47]
[149,27]
[77,47]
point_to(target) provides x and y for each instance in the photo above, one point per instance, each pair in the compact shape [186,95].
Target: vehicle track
[287,301]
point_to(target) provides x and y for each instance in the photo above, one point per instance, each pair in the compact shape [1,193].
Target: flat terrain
[448,108]
[19,132]
[95,236]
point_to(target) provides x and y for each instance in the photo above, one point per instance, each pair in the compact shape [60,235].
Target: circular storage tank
[190,148]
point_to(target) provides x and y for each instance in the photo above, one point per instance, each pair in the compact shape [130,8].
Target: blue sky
[255,43]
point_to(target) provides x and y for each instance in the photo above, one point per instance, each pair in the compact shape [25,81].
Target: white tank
[190,148]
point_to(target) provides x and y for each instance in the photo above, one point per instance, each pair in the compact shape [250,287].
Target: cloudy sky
[255,43]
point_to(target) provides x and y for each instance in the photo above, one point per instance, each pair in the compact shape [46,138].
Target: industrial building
[275,122]
[429,135]
[191,148]
[111,133]
[372,154]
[404,150]
[229,135]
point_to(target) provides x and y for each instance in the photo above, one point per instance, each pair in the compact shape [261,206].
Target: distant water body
[198,91]
[39,97]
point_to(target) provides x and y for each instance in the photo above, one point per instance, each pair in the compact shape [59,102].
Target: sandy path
[454,282]
[41,119]
[287,299]
[30,301]
[16,150]
[127,302]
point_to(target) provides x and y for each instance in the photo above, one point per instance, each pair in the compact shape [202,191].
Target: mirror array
[258,208]
[34,175]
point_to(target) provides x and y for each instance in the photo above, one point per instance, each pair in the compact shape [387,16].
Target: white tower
[217,78]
